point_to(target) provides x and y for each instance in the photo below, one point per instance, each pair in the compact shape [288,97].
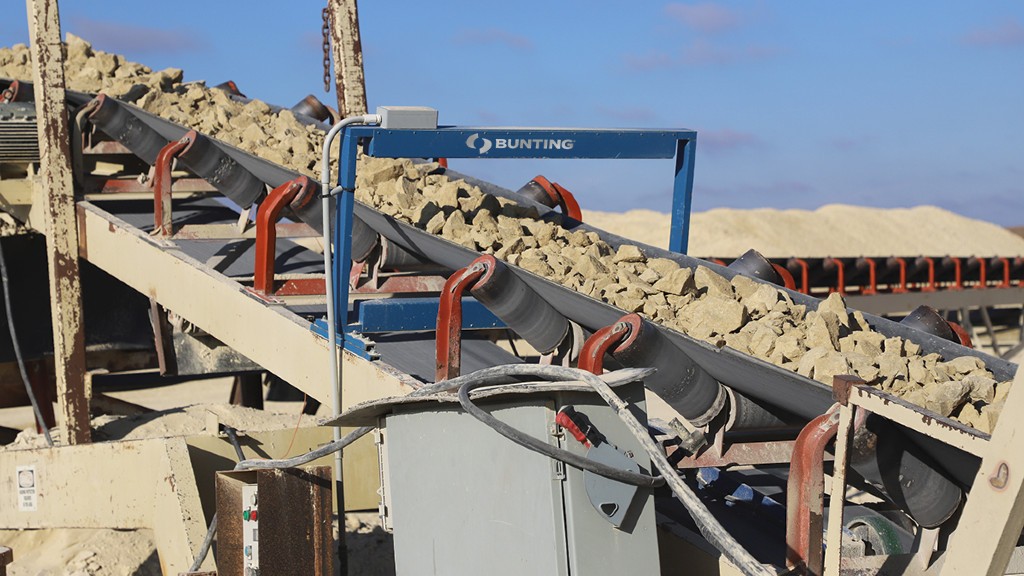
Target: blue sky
[796,104]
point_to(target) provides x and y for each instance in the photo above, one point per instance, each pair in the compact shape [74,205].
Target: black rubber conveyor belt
[909,472]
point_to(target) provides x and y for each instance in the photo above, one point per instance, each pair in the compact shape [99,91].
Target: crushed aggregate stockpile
[751,317]
[254,127]
[834,230]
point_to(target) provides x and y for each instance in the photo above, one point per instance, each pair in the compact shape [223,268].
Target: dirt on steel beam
[61,223]
[347,50]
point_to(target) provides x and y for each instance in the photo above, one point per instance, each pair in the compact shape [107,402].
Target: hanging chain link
[327,48]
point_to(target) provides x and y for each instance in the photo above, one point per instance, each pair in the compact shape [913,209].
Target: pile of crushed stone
[277,136]
[749,316]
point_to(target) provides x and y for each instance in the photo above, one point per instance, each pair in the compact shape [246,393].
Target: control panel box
[250,530]
[407,117]
[287,510]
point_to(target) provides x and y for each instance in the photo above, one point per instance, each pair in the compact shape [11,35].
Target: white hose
[332,331]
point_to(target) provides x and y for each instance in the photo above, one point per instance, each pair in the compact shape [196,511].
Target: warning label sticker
[27,494]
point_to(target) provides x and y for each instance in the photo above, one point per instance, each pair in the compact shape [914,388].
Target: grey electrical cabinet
[463,500]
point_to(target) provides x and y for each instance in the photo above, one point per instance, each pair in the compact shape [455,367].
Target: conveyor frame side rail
[494,143]
[993,516]
[271,335]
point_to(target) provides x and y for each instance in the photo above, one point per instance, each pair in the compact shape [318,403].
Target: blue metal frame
[417,315]
[469,142]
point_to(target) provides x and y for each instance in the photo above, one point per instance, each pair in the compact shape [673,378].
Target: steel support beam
[994,514]
[270,335]
[137,484]
[890,303]
[60,224]
[347,50]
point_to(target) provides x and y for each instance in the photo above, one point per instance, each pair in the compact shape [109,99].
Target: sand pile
[834,230]
[751,317]
[81,552]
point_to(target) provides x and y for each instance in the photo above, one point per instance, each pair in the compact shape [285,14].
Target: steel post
[348,58]
[60,222]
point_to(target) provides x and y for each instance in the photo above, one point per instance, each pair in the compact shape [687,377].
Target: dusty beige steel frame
[270,335]
[124,485]
[993,515]
[61,232]
[164,484]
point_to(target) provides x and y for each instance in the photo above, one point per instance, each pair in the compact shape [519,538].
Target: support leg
[61,224]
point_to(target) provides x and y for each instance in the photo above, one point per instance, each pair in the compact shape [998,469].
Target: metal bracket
[162,216]
[266,229]
[449,317]
[602,342]
[610,498]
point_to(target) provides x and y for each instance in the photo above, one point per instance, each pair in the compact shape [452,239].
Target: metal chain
[327,48]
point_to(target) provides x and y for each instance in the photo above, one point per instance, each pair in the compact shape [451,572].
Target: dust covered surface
[81,552]
[184,421]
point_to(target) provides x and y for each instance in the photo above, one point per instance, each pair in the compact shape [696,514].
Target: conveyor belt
[753,377]
[908,473]
[802,396]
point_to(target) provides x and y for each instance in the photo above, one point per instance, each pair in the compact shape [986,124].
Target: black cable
[512,343]
[531,443]
[708,525]
[204,549]
[233,438]
[17,352]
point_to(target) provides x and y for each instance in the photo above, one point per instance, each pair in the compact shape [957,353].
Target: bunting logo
[483,145]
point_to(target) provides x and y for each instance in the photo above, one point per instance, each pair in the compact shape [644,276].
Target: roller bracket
[552,195]
[10,94]
[805,492]
[267,215]
[449,317]
[604,341]
[163,220]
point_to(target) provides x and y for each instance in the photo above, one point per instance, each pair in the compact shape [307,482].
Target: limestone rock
[455,226]
[805,367]
[650,276]
[628,253]
[744,286]
[712,283]
[662,266]
[981,388]
[762,341]
[829,366]
[678,282]
[717,316]
[890,368]
[762,300]
[790,347]
[836,305]
[945,397]
[823,331]
[964,364]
